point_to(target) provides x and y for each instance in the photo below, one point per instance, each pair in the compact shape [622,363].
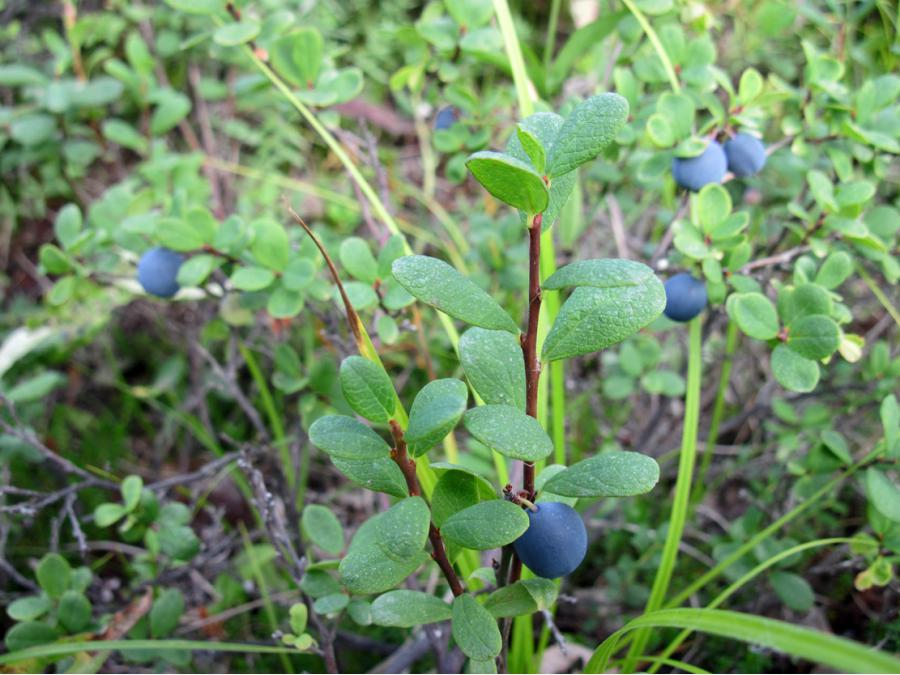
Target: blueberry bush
[458,336]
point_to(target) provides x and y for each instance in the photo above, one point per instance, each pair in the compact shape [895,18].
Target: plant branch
[529,339]
[408,467]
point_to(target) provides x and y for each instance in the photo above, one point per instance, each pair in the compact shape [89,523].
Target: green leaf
[751,86]
[486,525]
[533,148]
[124,134]
[474,630]
[435,412]
[523,597]
[470,13]
[53,574]
[544,126]
[347,438]
[836,652]
[62,290]
[379,475]
[713,206]
[678,111]
[252,278]
[794,590]
[493,363]
[29,608]
[299,615]
[171,108]
[595,317]
[67,225]
[588,129]
[600,273]
[792,371]
[814,337]
[660,131]
[331,604]
[319,583]
[166,612]
[131,492]
[284,303]
[361,612]
[179,234]
[74,611]
[195,270]
[806,299]
[403,529]
[298,56]
[322,528]
[197,6]
[33,129]
[510,180]
[609,474]
[457,490]
[883,494]
[437,284]
[29,634]
[108,513]
[509,431]
[754,314]
[368,570]
[357,258]
[408,609]
[835,270]
[368,389]
[271,246]
[234,34]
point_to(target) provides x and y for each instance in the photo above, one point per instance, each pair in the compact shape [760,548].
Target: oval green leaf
[610,474]
[509,431]
[486,525]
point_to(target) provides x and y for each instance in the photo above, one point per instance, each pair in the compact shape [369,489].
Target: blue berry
[707,167]
[746,155]
[685,297]
[157,272]
[445,118]
[555,542]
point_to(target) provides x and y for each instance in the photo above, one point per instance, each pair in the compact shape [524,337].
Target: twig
[26,434]
[666,241]
[352,317]
[616,221]
[408,468]
[529,339]
[777,259]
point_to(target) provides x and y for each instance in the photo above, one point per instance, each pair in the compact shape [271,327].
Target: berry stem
[529,338]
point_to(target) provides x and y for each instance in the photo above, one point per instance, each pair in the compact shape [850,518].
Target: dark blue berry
[445,118]
[157,272]
[555,542]
[685,297]
[746,155]
[707,167]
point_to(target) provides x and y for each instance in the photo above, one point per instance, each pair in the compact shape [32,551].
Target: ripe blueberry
[707,167]
[746,155]
[445,118]
[685,297]
[555,542]
[157,271]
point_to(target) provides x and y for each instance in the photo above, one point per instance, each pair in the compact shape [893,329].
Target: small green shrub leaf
[368,389]
[74,611]
[754,314]
[53,574]
[510,180]
[322,528]
[435,411]
[509,431]
[166,612]
[357,259]
[298,56]
[587,130]
[533,148]
[437,284]
[252,278]
[379,475]
[347,438]
[29,634]
[486,525]
[403,529]
[883,494]
[407,609]
[367,569]
[523,597]
[492,360]
[814,337]
[794,590]
[457,490]
[596,318]
[474,629]
[29,608]
[792,371]
[609,474]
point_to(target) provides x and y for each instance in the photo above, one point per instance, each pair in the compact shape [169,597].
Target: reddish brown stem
[408,467]
[529,338]
[352,317]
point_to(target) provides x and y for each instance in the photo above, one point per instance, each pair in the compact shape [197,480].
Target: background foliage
[159,488]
